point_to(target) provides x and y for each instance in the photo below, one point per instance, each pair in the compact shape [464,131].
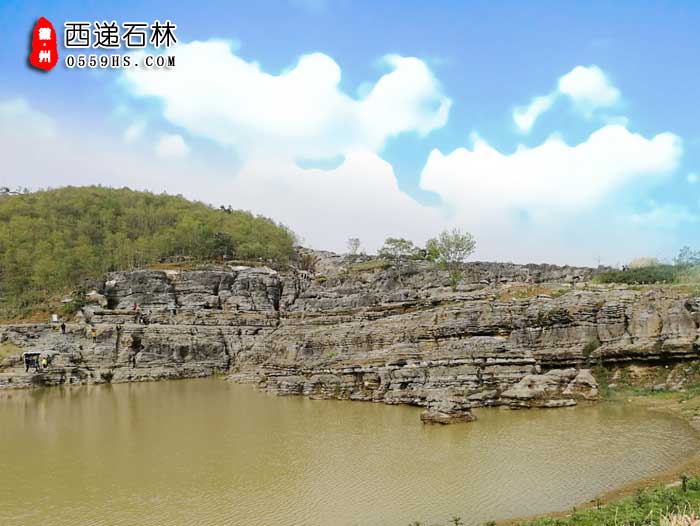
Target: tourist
[63,327]
[94,335]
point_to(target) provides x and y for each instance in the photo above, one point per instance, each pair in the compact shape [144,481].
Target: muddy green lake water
[208,452]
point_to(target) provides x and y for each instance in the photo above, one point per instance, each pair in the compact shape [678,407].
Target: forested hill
[51,240]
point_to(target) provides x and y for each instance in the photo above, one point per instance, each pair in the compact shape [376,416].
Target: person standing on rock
[63,327]
[94,335]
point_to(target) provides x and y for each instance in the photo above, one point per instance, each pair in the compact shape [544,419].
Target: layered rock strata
[514,335]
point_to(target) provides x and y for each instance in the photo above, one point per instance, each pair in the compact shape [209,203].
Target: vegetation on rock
[642,271]
[52,240]
[449,250]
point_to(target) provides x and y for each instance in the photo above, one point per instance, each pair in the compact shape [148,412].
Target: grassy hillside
[51,240]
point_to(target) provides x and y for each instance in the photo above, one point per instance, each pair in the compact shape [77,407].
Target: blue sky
[475,61]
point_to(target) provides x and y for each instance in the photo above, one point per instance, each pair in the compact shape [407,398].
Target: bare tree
[354,246]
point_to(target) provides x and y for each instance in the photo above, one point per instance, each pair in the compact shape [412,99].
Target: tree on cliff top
[449,250]
[398,249]
[400,252]
[51,240]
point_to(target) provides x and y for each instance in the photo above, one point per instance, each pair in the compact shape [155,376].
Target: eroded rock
[514,335]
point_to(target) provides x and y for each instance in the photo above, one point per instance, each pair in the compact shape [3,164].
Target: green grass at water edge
[647,507]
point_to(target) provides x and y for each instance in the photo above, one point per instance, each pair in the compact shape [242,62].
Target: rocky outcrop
[513,335]
[555,388]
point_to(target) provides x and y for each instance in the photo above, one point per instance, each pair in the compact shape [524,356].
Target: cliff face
[513,335]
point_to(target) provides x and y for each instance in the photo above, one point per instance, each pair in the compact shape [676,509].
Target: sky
[557,132]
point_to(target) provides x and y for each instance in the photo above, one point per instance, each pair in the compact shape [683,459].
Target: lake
[210,452]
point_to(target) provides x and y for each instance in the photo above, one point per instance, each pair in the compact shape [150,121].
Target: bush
[642,275]
[590,348]
[308,262]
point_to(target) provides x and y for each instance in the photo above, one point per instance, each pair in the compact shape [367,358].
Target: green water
[208,452]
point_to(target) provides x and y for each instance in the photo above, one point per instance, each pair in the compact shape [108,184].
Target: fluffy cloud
[172,146]
[521,202]
[301,112]
[553,175]
[360,198]
[588,88]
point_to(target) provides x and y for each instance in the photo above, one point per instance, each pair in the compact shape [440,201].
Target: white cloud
[172,146]
[587,87]
[301,112]
[134,132]
[553,174]
[18,118]
[525,197]
[693,178]
[525,117]
[360,198]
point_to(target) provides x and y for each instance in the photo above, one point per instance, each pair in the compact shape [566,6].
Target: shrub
[308,262]
[641,275]
[590,347]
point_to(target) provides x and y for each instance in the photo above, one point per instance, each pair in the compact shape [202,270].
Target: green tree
[400,252]
[397,249]
[449,250]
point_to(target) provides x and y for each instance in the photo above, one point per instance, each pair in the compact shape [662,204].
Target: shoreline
[668,402]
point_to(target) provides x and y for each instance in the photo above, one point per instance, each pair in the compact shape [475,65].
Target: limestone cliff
[513,335]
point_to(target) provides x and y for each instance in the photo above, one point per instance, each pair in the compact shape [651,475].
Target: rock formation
[514,335]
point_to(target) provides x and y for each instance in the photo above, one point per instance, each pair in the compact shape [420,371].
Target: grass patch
[368,266]
[523,292]
[647,507]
